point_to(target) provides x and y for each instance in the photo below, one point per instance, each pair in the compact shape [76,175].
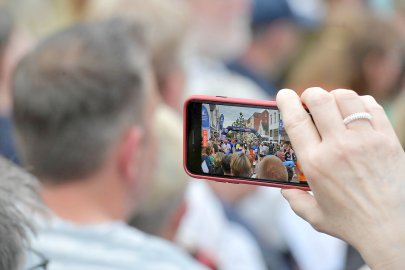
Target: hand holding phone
[355,169]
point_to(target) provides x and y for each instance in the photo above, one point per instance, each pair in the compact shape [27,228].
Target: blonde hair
[218,159]
[240,165]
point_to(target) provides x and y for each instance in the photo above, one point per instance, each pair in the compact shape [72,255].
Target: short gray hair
[75,94]
[18,196]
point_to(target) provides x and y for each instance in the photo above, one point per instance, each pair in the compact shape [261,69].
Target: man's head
[80,101]
[275,32]
[272,168]
[18,195]
[281,155]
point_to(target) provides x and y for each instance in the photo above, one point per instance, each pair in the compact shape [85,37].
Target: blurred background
[235,48]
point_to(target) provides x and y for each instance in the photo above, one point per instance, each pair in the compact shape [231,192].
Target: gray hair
[18,196]
[75,94]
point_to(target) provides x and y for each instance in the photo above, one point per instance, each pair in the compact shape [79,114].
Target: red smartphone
[240,141]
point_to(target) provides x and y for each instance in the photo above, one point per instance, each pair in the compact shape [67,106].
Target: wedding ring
[357,116]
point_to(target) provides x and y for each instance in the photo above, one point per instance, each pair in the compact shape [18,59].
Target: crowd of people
[241,158]
[91,169]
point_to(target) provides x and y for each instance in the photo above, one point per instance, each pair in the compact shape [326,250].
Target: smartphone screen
[240,141]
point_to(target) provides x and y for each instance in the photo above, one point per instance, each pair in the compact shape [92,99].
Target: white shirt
[210,77]
[283,229]
[205,227]
[112,246]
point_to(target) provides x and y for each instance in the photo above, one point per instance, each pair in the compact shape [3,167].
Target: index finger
[297,122]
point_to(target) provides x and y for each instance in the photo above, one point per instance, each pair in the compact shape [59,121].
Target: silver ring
[357,116]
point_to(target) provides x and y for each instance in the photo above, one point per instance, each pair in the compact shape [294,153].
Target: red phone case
[253,102]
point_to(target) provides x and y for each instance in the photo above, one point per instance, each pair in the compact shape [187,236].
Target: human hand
[356,172]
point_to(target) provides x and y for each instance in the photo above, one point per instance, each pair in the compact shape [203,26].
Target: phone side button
[221,96]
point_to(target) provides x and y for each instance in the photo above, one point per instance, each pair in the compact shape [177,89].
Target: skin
[358,188]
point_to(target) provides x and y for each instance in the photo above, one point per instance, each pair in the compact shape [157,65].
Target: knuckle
[344,94]
[316,98]
[294,121]
[371,104]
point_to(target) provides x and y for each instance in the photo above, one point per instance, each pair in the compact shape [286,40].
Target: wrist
[385,251]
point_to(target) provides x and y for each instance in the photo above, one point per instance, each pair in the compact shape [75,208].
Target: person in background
[290,172]
[226,147]
[18,200]
[272,168]
[13,44]
[369,62]
[206,164]
[238,146]
[240,166]
[160,213]
[83,129]
[271,149]
[262,150]
[275,40]
[219,32]
[289,152]
[226,164]
[218,170]
[166,27]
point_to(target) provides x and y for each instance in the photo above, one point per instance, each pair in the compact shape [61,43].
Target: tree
[240,122]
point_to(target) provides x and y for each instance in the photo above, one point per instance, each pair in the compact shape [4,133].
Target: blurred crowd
[91,93]
[254,159]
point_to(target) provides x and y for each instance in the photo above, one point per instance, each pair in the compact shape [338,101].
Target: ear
[130,153]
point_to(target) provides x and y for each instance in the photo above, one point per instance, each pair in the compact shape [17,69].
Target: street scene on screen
[247,142]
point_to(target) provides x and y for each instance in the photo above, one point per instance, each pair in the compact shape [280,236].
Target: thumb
[305,206]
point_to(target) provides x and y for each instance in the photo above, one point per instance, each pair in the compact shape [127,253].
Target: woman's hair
[208,150]
[347,41]
[226,163]
[240,165]
[215,146]
[218,159]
